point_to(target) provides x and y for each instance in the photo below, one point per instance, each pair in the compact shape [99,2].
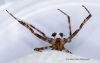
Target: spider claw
[82,5]
[37,49]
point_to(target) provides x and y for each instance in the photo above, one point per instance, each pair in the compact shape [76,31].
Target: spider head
[61,34]
[54,34]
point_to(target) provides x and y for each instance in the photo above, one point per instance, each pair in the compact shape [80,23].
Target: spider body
[56,43]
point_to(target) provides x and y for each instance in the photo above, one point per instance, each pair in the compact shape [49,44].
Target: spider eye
[61,34]
[54,34]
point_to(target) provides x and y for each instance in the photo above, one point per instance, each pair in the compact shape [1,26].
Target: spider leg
[67,50]
[28,24]
[42,48]
[84,21]
[69,23]
[38,30]
[29,27]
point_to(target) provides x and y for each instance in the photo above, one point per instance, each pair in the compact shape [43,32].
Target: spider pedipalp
[61,34]
[54,34]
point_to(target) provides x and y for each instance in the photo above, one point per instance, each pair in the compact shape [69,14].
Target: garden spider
[56,43]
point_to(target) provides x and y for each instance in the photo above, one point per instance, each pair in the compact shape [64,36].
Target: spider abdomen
[57,44]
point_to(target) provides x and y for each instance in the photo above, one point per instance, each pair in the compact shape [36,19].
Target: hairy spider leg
[67,50]
[42,48]
[38,30]
[84,21]
[28,26]
[69,23]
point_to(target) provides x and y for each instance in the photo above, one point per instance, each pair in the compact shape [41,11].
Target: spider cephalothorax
[56,43]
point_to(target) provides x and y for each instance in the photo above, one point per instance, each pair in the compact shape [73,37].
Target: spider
[56,43]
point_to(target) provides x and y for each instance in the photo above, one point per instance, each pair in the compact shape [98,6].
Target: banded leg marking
[69,23]
[29,27]
[84,21]
[42,48]
[67,51]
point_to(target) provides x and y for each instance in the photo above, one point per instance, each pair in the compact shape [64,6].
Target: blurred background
[2,2]
[17,41]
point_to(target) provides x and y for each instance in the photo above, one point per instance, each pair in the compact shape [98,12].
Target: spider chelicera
[56,43]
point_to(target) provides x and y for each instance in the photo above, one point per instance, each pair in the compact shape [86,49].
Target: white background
[17,41]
